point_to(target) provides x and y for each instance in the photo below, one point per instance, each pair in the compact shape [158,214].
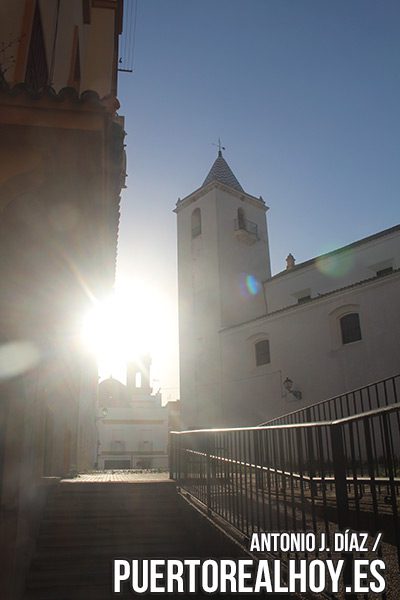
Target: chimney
[290,262]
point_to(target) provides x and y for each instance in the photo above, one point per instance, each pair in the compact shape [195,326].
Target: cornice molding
[243,196]
[66,96]
[326,297]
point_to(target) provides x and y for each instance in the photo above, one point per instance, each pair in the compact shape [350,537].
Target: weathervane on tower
[220,147]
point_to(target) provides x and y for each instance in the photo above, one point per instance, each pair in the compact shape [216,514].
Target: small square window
[303,299]
[383,272]
[262,353]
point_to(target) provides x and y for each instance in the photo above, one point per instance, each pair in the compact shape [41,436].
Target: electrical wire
[126,61]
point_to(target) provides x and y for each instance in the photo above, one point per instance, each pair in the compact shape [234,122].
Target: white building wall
[199,312]
[138,434]
[333,271]
[224,313]
[305,345]
[241,256]
[213,269]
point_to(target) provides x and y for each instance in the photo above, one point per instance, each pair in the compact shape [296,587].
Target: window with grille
[350,328]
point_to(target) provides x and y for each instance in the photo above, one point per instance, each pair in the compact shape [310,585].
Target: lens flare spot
[17,358]
[336,265]
[250,285]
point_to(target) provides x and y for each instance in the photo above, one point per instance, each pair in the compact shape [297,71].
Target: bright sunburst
[131,322]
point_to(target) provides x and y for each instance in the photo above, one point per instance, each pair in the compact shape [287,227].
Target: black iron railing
[246,225]
[325,476]
[369,397]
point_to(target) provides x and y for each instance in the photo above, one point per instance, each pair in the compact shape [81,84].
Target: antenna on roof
[220,147]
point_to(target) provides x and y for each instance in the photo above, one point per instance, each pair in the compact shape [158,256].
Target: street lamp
[288,385]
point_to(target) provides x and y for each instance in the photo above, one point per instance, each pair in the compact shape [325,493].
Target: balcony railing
[196,231]
[246,225]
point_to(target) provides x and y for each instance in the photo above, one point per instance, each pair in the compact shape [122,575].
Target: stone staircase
[88,524]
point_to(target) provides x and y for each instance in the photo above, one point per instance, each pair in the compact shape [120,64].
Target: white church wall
[199,316]
[223,313]
[138,434]
[305,345]
[243,257]
[333,271]
[220,271]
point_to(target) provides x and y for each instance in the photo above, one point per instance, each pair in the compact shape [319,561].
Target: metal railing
[324,476]
[369,397]
[196,230]
[246,225]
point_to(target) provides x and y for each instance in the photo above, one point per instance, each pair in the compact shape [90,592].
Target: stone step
[120,517]
[76,592]
[134,523]
[87,525]
[92,592]
[131,541]
[52,555]
[109,512]
[99,562]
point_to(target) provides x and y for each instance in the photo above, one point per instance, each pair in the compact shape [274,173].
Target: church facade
[255,345]
[132,424]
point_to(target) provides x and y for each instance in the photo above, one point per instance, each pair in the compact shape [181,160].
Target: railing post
[171,455]
[339,470]
[178,460]
[208,474]
[310,452]
[342,500]
[257,461]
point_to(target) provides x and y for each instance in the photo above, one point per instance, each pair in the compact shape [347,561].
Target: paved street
[123,475]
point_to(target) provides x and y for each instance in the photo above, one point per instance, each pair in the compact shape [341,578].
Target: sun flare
[132,322]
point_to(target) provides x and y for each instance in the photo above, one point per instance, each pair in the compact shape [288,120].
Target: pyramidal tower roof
[221,171]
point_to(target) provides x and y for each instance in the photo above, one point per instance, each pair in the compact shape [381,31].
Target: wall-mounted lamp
[288,385]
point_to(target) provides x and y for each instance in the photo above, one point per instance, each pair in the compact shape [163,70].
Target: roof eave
[203,190]
[312,261]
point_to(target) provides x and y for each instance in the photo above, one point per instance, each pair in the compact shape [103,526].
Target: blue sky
[305,95]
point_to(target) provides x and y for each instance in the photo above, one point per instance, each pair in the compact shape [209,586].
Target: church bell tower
[223,259]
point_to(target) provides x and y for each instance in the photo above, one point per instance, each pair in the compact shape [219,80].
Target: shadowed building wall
[61,173]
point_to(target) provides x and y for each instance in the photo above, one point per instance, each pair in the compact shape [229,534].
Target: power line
[128,41]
